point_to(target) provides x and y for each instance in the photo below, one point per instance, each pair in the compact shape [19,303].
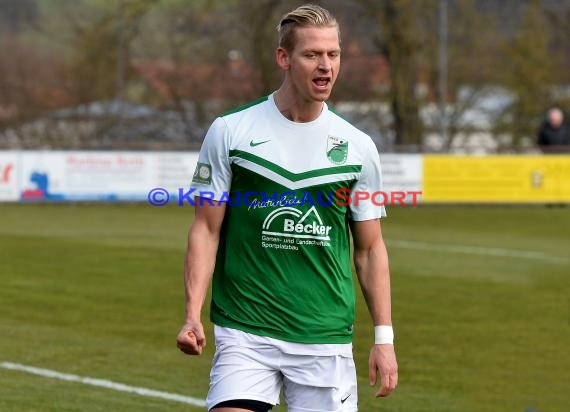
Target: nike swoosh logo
[344,400]
[253,144]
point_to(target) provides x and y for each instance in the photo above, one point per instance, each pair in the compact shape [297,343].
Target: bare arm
[203,240]
[371,262]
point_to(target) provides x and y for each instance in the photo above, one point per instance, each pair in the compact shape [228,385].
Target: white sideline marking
[476,250]
[103,384]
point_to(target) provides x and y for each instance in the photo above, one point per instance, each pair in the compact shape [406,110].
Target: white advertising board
[131,176]
[108,176]
[9,167]
[60,176]
[403,173]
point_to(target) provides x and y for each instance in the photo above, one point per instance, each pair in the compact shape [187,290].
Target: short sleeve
[368,197]
[212,177]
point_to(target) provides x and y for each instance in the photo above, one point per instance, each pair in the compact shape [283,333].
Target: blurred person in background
[554,132]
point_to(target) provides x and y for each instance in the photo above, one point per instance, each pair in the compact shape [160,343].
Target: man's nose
[325,63]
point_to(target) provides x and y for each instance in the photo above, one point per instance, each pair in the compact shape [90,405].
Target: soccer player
[276,240]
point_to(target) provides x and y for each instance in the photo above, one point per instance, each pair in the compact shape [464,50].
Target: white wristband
[383,334]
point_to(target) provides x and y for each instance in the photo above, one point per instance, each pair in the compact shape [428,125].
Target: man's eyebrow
[319,51]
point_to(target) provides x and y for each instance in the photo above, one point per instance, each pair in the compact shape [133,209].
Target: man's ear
[282,58]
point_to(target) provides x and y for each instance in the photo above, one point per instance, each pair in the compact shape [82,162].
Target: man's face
[314,62]
[555,118]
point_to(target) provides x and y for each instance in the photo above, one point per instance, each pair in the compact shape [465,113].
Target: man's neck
[294,108]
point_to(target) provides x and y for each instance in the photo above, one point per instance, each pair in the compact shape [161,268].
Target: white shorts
[250,367]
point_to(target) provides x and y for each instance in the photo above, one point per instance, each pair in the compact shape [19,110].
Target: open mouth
[321,82]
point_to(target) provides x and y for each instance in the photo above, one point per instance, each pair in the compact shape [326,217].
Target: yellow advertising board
[496,179]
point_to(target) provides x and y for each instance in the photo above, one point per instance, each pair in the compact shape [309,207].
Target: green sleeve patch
[202,174]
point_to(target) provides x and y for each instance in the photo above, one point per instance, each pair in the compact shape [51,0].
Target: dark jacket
[550,136]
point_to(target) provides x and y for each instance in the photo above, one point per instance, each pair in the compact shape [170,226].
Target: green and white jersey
[283,265]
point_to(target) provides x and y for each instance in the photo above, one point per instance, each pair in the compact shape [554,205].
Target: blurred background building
[446,76]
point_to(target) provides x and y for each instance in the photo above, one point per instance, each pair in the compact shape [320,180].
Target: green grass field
[481,303]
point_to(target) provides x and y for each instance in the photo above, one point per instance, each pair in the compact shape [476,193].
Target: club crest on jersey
[337,150]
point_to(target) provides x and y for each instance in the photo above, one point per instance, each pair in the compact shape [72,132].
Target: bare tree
[15,15]
[93,68]
[530,72]
[472,49]
[401,45]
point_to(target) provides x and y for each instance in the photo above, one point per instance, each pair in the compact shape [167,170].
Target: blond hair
[308,15]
